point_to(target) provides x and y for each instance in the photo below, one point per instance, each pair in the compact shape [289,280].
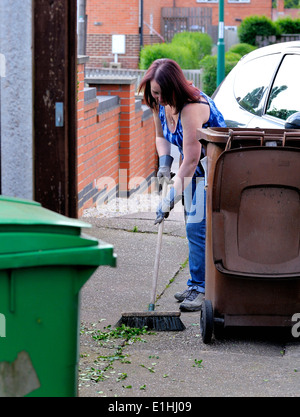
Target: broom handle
[157,254]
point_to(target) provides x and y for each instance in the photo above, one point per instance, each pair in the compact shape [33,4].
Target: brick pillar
[136,134]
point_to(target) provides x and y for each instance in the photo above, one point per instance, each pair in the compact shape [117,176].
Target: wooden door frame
[55,81]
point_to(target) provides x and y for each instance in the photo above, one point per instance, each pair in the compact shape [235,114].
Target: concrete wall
[16,98]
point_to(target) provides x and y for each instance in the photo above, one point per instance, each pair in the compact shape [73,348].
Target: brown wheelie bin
[253,228]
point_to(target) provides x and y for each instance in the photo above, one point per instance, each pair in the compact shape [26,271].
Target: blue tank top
[215,120]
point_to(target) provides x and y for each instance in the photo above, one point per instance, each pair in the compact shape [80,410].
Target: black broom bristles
[160,321]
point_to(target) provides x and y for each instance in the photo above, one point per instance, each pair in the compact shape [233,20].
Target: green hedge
[253,26]
[186,48]
[242,48]
[199,43]
[182,55]
[209,65]
[287,25]
[209,75]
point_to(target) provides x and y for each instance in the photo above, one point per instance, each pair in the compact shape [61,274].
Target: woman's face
[156,93]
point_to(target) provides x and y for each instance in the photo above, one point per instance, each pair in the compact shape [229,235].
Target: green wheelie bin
[45,259]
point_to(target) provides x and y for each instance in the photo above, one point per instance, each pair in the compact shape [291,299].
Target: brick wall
[116,141]
[99,48]
[232,10]
[112,18]
[234,13]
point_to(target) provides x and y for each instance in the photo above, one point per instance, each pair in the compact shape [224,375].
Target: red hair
[175,89]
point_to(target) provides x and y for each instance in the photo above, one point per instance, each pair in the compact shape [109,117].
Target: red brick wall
[232,11]
[112,18]
[98,138]
[80,100]
[116,147]
[99,49]
[137,154]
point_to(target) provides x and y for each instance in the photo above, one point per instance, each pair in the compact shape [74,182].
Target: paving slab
[246,363]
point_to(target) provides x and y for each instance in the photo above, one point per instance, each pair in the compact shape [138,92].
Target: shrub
[209,65]
[209,75]
[186,48]
[287,25]
[232,57]
[199,43]
[182,55]
[242,48]
[253,26]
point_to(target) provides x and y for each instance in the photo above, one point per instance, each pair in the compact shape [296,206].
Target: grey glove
[166,205]
[164,171]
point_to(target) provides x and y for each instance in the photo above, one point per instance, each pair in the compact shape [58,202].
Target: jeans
[195,220]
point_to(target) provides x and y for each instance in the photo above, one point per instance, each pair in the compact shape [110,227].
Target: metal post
[221,45]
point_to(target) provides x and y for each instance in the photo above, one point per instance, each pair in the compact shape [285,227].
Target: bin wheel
[206,321]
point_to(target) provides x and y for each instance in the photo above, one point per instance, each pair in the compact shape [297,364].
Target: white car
[263,89]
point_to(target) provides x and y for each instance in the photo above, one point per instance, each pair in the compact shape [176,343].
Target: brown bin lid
[220,135]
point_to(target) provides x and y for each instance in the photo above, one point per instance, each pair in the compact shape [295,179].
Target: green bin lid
[21,212]
[32,235]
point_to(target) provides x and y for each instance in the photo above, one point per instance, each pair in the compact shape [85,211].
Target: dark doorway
[55,119]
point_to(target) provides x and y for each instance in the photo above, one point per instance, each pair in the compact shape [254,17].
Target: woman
[179,109]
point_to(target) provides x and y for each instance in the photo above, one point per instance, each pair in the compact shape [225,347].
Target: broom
[160,321]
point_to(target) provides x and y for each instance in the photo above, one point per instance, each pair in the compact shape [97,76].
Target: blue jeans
[195,219]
